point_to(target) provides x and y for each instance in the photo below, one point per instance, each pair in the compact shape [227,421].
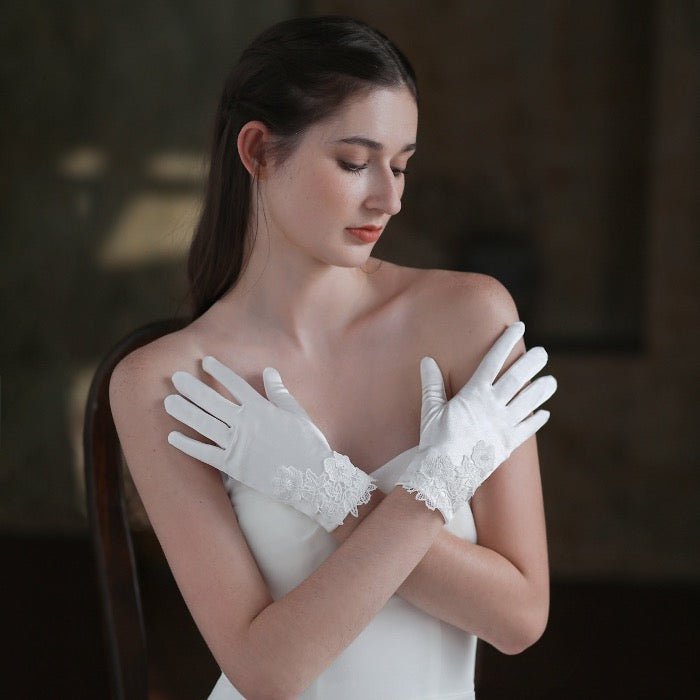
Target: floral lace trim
[446,486]
[333,493]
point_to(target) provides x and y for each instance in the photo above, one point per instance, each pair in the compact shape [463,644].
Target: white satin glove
[464,440]
[272,445]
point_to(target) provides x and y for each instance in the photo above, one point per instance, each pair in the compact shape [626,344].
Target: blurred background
[558,151]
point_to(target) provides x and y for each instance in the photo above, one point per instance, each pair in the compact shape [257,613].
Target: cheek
[337,190]
[312,194]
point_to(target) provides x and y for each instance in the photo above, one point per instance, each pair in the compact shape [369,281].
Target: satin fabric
[403,654]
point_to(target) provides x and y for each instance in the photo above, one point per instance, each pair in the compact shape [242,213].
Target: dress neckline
[396,458]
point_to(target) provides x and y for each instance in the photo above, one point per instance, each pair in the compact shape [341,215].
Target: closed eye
[356,169]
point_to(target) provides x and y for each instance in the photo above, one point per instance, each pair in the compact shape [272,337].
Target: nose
[386,193]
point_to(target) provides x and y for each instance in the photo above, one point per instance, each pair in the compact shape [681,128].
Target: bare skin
[365,367]
[348,347]
[497,589]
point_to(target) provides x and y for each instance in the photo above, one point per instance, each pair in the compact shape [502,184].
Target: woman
[366,584]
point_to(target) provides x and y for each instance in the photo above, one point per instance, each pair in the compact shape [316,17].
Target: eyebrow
[374,145]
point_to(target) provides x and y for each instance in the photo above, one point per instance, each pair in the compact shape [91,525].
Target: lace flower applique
[446,486]
[338,490]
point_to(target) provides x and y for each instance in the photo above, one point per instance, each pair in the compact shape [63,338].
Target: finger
[278,393]
[530,398]
[493,361]
[529,427]
[522,370]
[204,396]
[209,454]
[239,387]
[197,419]
[433,394]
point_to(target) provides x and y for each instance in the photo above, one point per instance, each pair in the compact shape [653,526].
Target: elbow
[255,672]
[260,682]
[274,684]
[520,644]
[265,690]
[526,634]
[265,686]
[277,693]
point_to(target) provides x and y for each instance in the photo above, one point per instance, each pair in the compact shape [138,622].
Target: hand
[269,445]
[464,440]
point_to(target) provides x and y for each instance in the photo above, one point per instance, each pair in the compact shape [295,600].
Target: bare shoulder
[188,506]
[137,389]
[469,313]
[451,290]
[464,312]
[144,374]
[508,507]
[154,359]
[470,293]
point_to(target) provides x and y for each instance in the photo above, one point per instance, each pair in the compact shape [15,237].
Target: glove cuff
[444,483]
[327,496]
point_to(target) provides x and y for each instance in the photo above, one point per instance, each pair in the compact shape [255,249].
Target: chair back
[109,524]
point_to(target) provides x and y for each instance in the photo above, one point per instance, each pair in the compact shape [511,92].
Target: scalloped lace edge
[443,485]
[333,493]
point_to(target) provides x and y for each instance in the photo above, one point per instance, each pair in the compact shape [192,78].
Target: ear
[252,141]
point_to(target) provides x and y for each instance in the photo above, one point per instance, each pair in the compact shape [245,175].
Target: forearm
[305,630]
[475,589]
[467,585]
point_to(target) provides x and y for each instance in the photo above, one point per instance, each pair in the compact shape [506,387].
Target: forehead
[389,116]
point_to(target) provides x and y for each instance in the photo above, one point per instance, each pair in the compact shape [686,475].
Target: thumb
[278,393]
[433,396]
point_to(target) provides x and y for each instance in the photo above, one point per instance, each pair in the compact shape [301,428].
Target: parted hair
[294,74]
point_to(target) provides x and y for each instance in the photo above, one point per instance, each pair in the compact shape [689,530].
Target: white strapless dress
[403,654]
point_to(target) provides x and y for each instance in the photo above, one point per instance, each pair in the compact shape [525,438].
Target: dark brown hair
[294,74]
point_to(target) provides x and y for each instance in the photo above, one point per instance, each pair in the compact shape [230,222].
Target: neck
[301,300]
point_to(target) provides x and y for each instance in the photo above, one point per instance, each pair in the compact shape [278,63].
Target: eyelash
[356,169]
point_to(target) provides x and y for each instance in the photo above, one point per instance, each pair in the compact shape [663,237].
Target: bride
[321,447]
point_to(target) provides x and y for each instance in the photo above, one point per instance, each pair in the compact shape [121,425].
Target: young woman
[319,448]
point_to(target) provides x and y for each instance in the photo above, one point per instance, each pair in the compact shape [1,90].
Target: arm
[311,625]
[475,587]
[268,649]
[497,589]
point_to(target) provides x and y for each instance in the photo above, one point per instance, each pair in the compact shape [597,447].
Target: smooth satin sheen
[404,653]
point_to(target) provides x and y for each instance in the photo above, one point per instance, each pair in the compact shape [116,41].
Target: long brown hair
[294,74]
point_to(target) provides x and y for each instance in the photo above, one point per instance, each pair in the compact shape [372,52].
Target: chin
[354,258]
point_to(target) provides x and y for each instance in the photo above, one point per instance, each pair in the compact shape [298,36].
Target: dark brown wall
[558,151]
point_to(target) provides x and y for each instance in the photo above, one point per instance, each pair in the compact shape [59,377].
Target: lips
[367,233]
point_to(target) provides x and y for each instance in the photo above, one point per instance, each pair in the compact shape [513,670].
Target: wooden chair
[111,535]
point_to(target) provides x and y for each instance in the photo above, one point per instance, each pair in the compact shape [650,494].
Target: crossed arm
[474,587]
[397,546]
[497,589]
